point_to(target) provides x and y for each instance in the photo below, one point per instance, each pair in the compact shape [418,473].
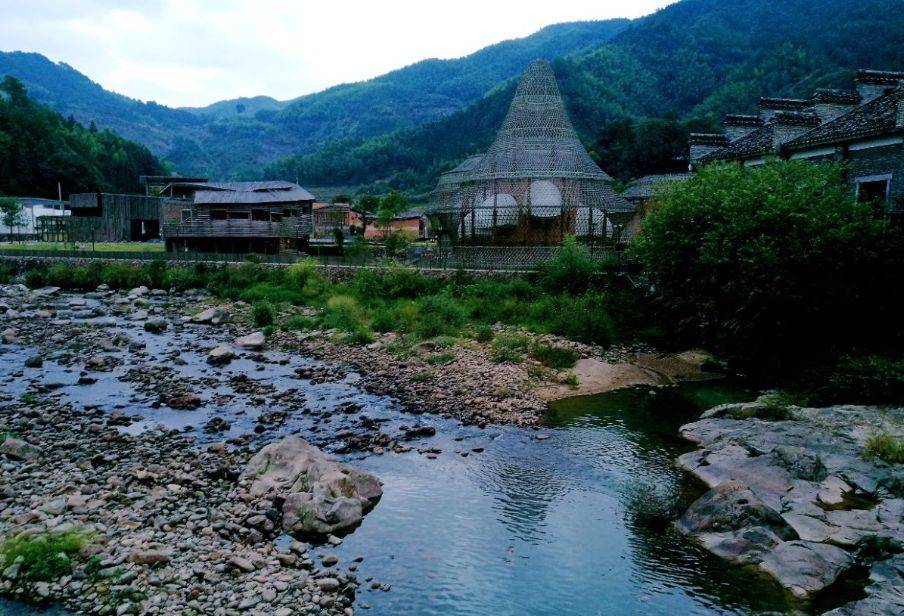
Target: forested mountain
[39,148]
[238,136]
[692,61]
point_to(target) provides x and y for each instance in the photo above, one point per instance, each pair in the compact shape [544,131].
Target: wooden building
[104,217]
[243,217]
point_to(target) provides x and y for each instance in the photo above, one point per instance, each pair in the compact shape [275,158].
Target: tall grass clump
[344,313]
[554,356]
[508,348]
[45,556]
[884,447]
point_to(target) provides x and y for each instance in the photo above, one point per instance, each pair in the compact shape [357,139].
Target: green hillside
[238,137]
[39,148]
[692,61]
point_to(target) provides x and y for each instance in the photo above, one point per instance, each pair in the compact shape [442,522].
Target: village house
[413,223]
[28,222]
[328,217]
[864,128]
[243,217]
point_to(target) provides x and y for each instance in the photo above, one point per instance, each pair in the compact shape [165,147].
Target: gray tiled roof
[756,143]
[836,96]
[877,117]
[643,188]
[277,191]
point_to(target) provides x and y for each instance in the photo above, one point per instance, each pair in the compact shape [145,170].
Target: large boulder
[319,494]
[731,506]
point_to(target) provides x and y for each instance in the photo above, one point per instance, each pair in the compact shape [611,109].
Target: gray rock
[156,325]
[35,361]
[251,342]
[10,336]
[19,449]
[731,506]
[220,356]
[805,567]
[211,316]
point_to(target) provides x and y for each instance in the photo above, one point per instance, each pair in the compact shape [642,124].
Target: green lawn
[98,247]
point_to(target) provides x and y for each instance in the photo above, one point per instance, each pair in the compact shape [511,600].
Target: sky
[195,52]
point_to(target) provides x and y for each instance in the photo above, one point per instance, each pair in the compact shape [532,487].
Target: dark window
[218,214]
[875,191]
[260,215]
[238,215]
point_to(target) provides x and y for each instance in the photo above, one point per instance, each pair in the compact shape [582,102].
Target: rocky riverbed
[792,495]
[168,527]
[164,430]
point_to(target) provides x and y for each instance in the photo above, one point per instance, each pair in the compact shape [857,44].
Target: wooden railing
[291,227]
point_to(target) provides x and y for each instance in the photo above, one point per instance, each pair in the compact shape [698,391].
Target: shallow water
[518,526]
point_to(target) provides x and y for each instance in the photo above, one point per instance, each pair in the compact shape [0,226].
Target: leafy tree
[776,264]
[392,204]
[11,213]
[343,198]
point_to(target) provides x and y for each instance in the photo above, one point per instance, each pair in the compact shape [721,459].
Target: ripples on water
[523,527]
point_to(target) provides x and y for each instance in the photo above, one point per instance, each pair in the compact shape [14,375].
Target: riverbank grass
[43,557]
[884,447]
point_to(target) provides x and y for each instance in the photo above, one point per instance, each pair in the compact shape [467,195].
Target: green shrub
[885,448]
[358,249]
[583,318]
[7,272]
[554,356]
[508,348]
[439,315]
[301,272]
[396,244]
[441,359]
[483,333]
[572,268]
[776,265]
[392,283]
[299,322]
[861,379]
[400,316]
[263,312]
[46,556]
[268,330]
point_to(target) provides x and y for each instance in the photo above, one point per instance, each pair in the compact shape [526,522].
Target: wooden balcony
[288,228]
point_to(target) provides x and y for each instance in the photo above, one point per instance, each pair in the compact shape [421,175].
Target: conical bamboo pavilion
[536,184]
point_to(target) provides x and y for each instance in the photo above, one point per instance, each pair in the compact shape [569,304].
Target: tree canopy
[777,264]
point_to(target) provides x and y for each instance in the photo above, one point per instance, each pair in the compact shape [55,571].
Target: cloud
[193,52]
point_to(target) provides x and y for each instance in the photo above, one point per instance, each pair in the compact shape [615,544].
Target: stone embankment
[792,495]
